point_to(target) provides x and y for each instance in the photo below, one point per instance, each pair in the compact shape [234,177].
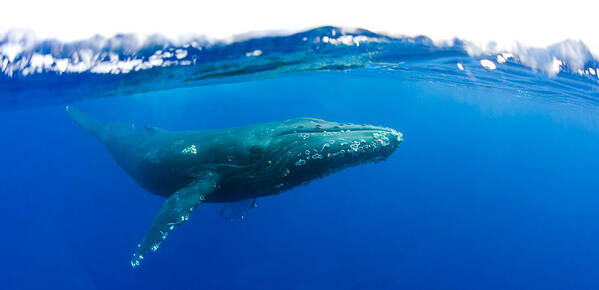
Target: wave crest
[129,63]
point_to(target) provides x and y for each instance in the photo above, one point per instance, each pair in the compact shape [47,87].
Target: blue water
[494,187]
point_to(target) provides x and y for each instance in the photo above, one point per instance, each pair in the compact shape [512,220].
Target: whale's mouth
[337,129]
[309,126]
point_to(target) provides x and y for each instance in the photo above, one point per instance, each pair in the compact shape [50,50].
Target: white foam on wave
[97,54]
[534,32]
[487,64]
[568,54]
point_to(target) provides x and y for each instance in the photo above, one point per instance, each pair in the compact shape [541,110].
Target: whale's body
[233,164]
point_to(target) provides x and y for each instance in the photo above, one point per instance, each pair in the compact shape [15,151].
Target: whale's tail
[97,128]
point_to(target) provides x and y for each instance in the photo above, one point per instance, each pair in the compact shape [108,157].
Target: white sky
[533,23]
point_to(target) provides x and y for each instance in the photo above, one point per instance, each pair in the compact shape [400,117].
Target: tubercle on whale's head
[304,149]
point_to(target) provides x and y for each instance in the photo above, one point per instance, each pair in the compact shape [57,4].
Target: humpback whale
[234,164]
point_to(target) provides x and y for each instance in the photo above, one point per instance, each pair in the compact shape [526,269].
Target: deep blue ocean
[495,186]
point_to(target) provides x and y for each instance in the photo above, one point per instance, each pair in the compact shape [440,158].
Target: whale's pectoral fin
[175,211]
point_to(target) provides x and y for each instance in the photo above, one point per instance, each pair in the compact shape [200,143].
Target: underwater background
[495,185]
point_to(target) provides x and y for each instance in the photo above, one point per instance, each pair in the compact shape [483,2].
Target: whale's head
[303,149]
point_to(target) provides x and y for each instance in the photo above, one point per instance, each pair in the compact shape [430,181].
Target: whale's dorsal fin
[175,211]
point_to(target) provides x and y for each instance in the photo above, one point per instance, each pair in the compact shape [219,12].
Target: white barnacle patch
[355,146]
[300,162]
[285,172]
[304,136]
[155,247]
[279,186]
[381,138]
[399,136]
[190,150]
[317,156]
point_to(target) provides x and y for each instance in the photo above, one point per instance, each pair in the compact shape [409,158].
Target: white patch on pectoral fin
[237,210]
[175,211]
